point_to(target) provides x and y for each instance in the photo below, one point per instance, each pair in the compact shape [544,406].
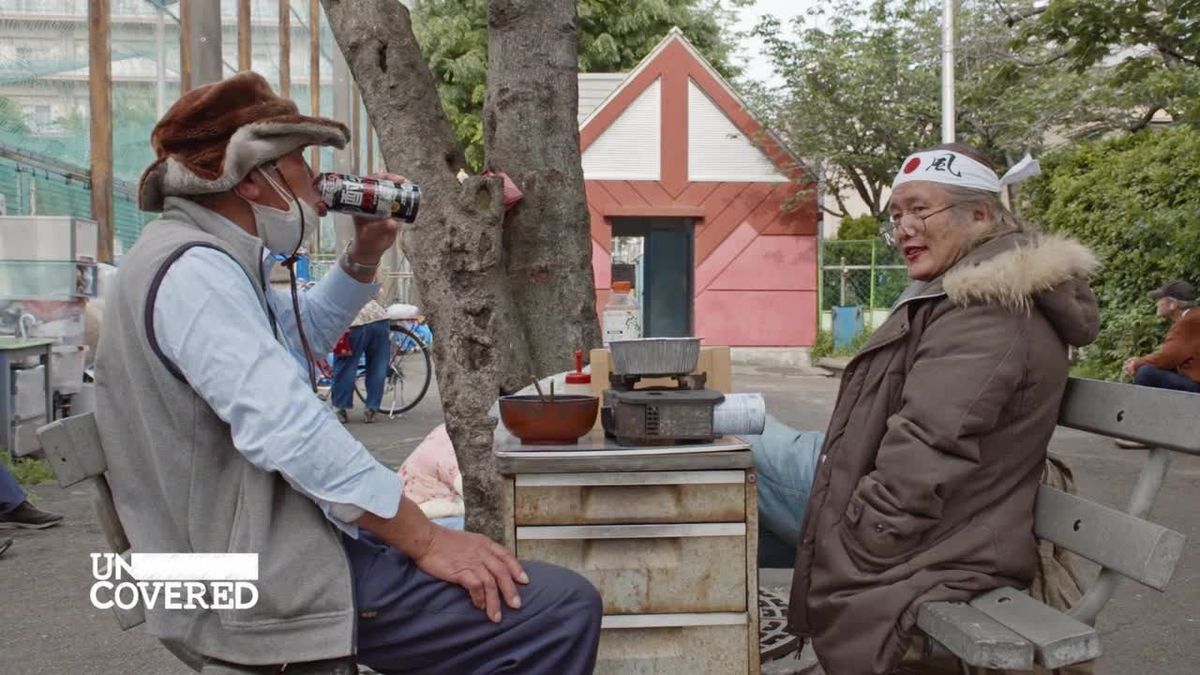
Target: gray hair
[1004,221]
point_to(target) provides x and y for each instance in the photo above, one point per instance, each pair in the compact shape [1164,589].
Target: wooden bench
[1007,629]
[72,448]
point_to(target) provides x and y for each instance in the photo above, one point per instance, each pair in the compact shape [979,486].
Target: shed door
[667,274]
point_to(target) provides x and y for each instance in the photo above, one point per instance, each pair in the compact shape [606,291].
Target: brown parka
[926,482]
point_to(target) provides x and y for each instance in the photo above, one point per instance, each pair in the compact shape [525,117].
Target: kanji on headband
[953,168]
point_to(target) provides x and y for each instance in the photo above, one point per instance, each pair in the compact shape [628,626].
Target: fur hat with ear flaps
[216,134]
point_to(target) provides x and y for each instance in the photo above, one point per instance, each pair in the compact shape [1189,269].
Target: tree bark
[455,245]
[531,132]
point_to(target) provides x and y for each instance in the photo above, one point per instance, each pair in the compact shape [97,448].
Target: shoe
[4,546]
[369,417]
[29,517]
[343,416]
[1130,445]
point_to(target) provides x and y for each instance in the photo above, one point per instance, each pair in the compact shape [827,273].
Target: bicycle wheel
[410,372]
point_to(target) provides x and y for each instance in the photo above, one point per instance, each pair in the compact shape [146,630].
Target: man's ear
[248,188]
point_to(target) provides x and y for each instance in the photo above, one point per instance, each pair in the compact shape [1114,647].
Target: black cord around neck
[290,264]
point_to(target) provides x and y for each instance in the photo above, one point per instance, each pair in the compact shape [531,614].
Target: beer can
[372,197]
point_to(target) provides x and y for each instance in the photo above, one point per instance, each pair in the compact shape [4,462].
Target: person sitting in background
[370,336]
[1176,364]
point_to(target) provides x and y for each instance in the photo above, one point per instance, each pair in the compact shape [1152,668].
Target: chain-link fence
[45,99]
[31,186]
[861,273]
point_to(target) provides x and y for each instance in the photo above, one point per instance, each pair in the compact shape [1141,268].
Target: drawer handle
[673,620]
[631,478]
[630,531]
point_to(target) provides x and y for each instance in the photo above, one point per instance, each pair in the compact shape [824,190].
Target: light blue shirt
[209,323]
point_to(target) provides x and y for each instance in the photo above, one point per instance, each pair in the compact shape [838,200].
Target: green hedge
[1135,200]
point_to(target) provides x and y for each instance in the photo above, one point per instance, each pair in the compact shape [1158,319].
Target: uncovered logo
[179,581]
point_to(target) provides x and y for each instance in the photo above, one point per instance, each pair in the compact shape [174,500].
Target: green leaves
[858,228]
[614,35]
[1135,200]
[1147,51]
[864,90]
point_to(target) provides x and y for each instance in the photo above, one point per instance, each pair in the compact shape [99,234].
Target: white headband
[953,168]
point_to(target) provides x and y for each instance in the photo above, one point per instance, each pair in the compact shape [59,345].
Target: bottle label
[622,324]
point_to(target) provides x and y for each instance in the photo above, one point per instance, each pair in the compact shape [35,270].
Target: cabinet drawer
[650,569]
[631,497]
[664,647]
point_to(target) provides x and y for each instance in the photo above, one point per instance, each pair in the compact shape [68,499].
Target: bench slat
[73,447]
[132,617]
[974,637]
[1138,549]
[1058,640]
[1157,417]
[106,513]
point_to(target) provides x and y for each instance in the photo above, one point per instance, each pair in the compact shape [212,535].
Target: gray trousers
[410,622]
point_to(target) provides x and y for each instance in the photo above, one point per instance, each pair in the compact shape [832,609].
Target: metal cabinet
[669,539]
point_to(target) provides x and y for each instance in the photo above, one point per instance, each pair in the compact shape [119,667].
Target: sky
[756,66]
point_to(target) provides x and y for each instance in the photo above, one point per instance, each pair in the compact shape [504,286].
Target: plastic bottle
[622,315]
[578,382]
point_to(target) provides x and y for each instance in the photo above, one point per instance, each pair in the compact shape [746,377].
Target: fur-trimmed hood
[214,135]
[1023,271]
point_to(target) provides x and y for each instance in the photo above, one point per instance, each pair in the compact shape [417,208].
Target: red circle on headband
[912,165]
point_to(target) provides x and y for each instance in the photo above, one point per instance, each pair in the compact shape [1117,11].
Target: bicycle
[410,371]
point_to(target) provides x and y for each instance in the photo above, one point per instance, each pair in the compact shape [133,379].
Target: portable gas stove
[659,415]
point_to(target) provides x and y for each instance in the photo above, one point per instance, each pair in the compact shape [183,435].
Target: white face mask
[283,232]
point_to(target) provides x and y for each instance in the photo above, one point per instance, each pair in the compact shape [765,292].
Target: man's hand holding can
[379,204]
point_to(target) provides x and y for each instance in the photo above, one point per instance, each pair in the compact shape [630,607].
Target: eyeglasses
[889,230]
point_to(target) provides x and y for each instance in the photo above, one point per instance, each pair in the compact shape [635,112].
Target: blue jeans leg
[11,494]
[377,346]
[1149,376]
[786,461]
[412,623]
[345,370]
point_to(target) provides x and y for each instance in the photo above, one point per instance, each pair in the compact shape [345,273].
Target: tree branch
[1146,118]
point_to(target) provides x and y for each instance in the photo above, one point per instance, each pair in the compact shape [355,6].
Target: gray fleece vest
[180,485]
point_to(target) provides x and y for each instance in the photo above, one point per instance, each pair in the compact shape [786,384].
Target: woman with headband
[922,488]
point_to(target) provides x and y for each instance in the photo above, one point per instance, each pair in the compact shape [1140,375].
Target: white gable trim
[718,150]
[631,147]
[633,75]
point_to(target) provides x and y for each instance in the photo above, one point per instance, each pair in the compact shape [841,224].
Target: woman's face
[930,233]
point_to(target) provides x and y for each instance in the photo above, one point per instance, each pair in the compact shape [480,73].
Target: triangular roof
[676,62]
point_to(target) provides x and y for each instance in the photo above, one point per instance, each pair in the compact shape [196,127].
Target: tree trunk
[531,132]
[506,301]
[454,246]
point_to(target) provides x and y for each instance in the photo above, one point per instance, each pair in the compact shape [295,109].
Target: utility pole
[245,29]
[185,46]
[160,67]
[101,130]
[206,42]
[948,135]
[285,49]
